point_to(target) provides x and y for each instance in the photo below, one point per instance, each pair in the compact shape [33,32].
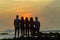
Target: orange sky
[44,9]
[27,8]
[26,15]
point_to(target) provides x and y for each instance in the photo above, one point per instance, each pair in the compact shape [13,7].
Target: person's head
[31,18]
[36,18]
[26,18]
[22,17]
[17,16]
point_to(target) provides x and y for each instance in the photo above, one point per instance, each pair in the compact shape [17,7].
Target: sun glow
[26,15]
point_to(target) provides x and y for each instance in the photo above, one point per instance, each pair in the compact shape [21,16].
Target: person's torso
[27,24]
[22,22]
[17,21]
[31,23]
[36,24]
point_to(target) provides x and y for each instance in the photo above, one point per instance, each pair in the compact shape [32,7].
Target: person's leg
[37,30]
[34,30]
[23,31]
[15,32]
[18,32]
[28,31]
[31,31]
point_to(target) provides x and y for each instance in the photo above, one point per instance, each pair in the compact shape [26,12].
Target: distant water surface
[11,35]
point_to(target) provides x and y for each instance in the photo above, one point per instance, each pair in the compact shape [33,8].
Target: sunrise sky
[48,12]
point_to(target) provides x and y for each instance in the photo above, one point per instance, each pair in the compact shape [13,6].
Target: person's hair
[17,16]
[26,18]
[36,18]
[31,18]
[22,17]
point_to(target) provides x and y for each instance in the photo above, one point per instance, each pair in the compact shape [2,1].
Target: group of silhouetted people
[26,26]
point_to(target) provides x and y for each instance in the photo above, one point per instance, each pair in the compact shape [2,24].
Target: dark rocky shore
[40,36]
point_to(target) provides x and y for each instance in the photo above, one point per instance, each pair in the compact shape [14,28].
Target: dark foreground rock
[40,36]
[35,38]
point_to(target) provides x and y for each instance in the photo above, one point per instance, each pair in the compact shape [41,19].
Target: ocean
[11,34]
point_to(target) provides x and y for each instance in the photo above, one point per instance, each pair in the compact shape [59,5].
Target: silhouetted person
[37,25]
[22,26]
[17,25]
[27,26]
[31,25]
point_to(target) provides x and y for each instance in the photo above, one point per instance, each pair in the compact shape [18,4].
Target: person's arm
[39,24]
[19,23]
